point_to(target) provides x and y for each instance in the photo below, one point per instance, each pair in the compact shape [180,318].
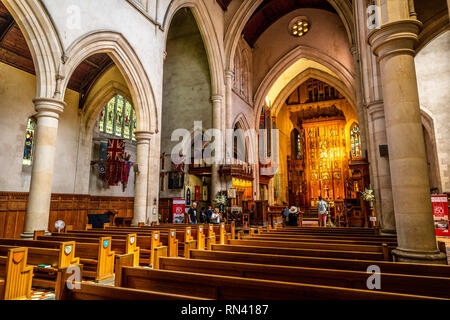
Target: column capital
[143,136]
[229,74]
[48,107]
[217,98]
[375,107]
[398,37]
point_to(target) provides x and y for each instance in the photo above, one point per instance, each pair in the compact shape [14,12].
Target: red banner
[440,213]
[197,193]
[178,210]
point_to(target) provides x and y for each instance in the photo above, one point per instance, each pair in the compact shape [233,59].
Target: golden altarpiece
[325,158]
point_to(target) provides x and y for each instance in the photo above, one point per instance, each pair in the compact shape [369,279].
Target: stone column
[229,114]
[394,44]
[140,188]
[38,208]
[217,124]
[382,173]
[359,100]
[153,178]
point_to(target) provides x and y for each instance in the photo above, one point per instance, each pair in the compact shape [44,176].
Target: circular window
[299,26]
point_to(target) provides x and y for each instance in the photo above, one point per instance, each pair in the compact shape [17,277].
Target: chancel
[224,150]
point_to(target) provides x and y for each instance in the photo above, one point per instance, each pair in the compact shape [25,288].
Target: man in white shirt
[322,208]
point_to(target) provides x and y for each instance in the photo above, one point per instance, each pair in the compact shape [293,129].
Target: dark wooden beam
[224,4]
[7,29]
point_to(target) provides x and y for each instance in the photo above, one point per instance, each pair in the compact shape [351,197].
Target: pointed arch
[42,40]
[126,60]
[210,38]
[246,10]
[346,79]
[244,124]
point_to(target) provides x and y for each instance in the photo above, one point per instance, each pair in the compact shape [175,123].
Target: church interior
[319,130]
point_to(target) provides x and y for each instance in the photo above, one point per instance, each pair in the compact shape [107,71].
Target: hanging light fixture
[299,26]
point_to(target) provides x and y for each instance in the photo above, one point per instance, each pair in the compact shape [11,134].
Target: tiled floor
[42,294]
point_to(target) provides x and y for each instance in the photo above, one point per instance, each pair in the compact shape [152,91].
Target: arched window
[236,71]
[28,149]
[296,144]
[355,141]
[118,118]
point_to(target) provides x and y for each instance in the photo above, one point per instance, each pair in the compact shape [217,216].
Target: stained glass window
[355,141]
[29,142]
[118,118]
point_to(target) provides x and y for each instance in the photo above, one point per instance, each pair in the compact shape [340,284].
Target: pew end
[15,275]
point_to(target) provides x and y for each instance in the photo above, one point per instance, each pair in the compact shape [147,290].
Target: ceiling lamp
[299,26]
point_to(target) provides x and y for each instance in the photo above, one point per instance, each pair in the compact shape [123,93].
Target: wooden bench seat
[97,258]
[120,244]
[331,236]
[318,249]
[235,288]
[177,242]
[409,284]
[268,236]
[15,275]
[324,263]
[89,291]
[58,255]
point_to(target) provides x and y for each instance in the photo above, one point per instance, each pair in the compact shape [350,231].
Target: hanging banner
[205,193]
[179,206]
[197,193]
[188,196]
[440,214]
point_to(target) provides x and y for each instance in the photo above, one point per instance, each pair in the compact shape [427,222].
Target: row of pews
[204,262]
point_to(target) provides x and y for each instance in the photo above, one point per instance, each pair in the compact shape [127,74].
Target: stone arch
[345,76]
[210,38]
[319,75]
[244,124]
[246,10]
[126,60]
[42,40]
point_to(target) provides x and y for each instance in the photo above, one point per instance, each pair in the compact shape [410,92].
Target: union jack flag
[116,149]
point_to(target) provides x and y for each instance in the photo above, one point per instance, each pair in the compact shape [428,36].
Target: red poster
[440,213]
[178,210]
[197,193]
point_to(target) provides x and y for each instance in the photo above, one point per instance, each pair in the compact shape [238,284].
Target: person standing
[215,217]
[293,216]
[285,215]
[202,215]
[192,213]
[209,213]
[322,209]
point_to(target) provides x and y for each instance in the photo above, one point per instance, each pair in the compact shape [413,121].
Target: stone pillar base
[27,235]
[405,255]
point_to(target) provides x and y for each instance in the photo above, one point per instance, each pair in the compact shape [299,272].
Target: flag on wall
[114,160]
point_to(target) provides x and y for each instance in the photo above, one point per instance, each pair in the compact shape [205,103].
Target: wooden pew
[15,275]
[58,255]
[210,236]
[121,244]
[359,250]
[89,291]
[97,258]
[330,236]
[184,236]
[357,255]
[325,263]
[178,242]
[235,288]
[197,231]
[266,236]
[409,284]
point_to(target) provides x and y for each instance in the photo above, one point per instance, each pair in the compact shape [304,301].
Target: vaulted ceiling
[271,10]
[14,51]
